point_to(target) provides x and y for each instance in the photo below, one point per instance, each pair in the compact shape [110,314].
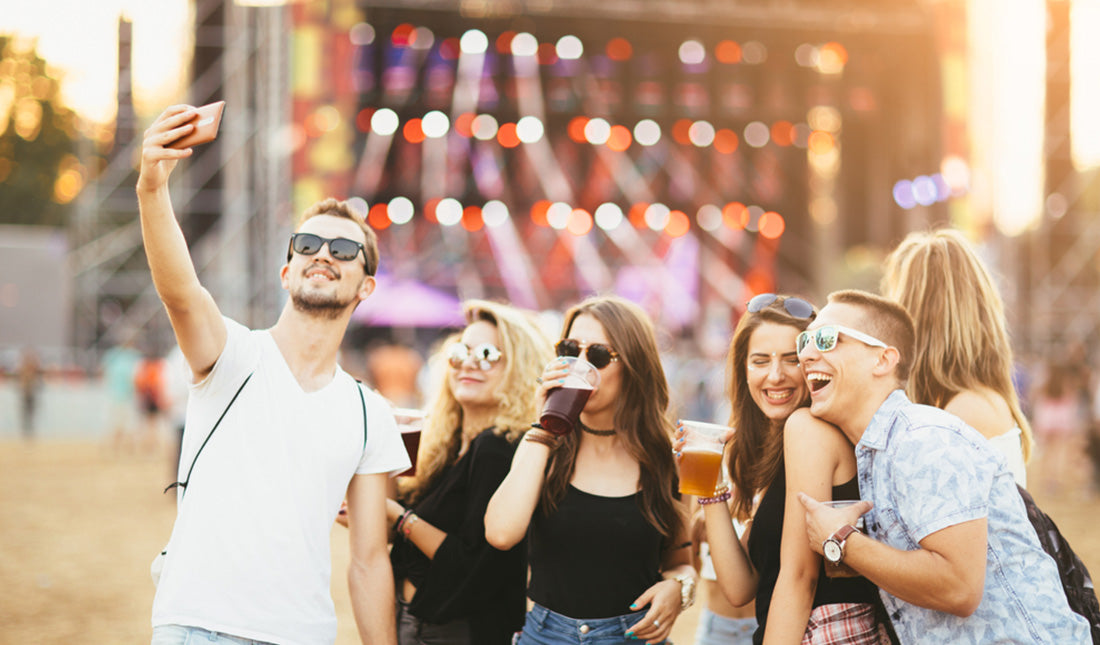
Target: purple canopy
[408,303]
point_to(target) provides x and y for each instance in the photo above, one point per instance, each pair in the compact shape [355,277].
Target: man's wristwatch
[687,590]
[833,546]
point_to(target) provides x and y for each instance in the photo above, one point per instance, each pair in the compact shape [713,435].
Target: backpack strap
[183,484]
[363,401]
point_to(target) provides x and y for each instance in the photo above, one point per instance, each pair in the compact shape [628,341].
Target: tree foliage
[39,171]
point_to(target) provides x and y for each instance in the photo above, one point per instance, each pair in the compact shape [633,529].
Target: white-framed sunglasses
[485,355]
[825,338]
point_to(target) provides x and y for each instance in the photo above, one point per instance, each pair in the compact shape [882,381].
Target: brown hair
[524,349]
[887,321]
[336,208]
[641,414]
[962,340]
[756,450]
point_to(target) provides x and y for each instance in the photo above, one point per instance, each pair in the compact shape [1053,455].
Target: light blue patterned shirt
[926,470]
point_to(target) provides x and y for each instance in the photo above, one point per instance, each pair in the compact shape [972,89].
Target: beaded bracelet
[401,520]
[407,526]
[720,497]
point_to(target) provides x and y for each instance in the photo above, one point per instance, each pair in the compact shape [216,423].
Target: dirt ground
[79,526]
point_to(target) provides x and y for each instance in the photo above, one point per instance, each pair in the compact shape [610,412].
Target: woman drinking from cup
[609,555]
[452,587]
[778,450]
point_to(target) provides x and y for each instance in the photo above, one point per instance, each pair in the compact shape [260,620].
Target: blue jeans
[714,629]
[544,627]
[183,635]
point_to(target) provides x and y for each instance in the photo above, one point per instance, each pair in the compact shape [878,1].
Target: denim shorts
[183,635]
[715,629]
[544,627]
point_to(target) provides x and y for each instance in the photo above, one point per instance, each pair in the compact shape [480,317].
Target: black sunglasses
[796,307]
[340,248]
[598,354]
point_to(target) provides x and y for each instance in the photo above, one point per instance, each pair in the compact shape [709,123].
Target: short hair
[337,208]
[886,320]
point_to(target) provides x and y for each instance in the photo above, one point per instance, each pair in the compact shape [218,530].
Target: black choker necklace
[598,433]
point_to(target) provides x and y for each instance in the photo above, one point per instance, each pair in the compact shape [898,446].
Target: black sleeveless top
[764,547]
[593,556]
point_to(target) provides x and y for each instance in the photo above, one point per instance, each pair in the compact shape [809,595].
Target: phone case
[206,124]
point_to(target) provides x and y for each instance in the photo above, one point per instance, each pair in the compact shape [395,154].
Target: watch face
[832,551]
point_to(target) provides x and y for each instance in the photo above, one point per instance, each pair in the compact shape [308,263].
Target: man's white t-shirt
[249,553]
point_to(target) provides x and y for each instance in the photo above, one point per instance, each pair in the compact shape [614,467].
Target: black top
[764,547]
[593,556]
[468,578]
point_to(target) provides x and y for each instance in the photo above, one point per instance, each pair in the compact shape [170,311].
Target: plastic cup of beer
[410,422]
[844,503]
[701,457]
[564,404]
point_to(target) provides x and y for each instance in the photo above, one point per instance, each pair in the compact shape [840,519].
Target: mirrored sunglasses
[340,248]
[796,307]
[598,354]
[825,338]
[485,355]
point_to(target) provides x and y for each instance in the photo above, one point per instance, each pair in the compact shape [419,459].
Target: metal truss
[231,197]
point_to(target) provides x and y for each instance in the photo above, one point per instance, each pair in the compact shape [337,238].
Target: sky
[79,39]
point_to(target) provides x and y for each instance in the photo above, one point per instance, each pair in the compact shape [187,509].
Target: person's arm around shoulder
[370,577]
[813,452]
[947,572]
[198,325]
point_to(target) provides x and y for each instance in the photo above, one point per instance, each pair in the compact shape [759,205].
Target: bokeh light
[608,216]
[570,48]
[474,41]
[384,122]
[494,213]
[647,132]
[529,129]
[448,212]
[401,210]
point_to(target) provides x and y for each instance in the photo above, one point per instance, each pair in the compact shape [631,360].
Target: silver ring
[656,623]
[538,379]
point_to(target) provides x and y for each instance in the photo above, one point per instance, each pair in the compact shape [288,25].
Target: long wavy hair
[961,335]
[524,349]
[756,449]
[641,414]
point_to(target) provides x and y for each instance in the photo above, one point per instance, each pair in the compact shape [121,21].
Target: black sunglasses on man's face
[340,248]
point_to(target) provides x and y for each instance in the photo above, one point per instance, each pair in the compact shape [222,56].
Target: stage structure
[232,197]
[682,154]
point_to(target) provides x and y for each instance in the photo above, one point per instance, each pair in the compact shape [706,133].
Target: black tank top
[593,556]
[764,547]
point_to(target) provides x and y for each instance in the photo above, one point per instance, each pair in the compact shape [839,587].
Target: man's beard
[319,305]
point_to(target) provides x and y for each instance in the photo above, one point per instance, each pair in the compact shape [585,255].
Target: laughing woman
[452,587]
[778,451]
[609,555]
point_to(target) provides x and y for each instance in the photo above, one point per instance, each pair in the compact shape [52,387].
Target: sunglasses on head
[598,354]
[825,338]
[340,248]
[485,355]
[796,307]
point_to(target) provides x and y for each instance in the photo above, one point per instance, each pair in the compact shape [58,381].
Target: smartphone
[206,123]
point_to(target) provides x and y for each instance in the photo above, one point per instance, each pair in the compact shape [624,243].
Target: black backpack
[1076,581]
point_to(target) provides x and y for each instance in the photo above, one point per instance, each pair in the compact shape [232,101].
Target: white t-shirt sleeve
[238,359]
[385,451]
